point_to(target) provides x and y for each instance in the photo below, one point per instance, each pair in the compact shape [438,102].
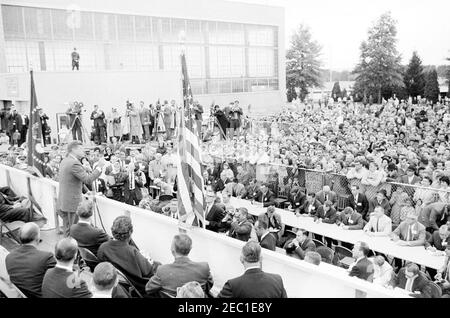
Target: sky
[341,25]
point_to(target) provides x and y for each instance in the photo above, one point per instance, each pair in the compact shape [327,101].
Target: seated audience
[439,239]
[62,281]
[84,232]
[299,245]
[169,277]
[350,220]
[326,213]
[126,257]
[443,275]
[325,253]
[235,189]
[362,267]
[410,232]
[379,224]
[265,237]
[296,199]
[379,200]
[272,219]
[251,190]
[104,279]
[311,205]
[412,280]
[15,208]
[254,283]
[215,216]
[26,265]
[313,257]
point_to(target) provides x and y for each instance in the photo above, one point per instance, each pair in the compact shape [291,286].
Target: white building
[130,50]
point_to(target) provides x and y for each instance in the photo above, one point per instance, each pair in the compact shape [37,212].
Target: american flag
[35,138]
[191,199]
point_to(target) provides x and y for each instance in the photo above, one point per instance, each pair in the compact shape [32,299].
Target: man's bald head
[29,233]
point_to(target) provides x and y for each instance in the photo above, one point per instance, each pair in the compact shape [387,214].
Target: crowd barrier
[153,233]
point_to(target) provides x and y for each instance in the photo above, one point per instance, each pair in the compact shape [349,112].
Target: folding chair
[8,229]
[344,255]
[436,291]
[318,243]
[9,289]
[89,258]
[128,286]
[326,253]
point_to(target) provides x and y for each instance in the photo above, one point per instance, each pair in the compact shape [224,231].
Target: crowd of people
[396,142]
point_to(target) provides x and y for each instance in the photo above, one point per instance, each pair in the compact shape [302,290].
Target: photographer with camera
[239,226]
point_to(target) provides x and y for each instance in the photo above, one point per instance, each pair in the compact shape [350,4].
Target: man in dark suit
[251,190]
[133,183]
[350,220]
[240,226]
[358,201]
[410,177]
[265,196]
[198,111]
[98,116]
[296,199]
[265,237]
[126,257]
[83,232]
[62,281]
[410,279]
[326,213]
[26,265]
[299,245]
[311,205]
[327,195]
[362,268]
[254,283]
[72,175]
[14,123]
[379,200]
[13,209]
[169,277]
[439,239]
[215,216]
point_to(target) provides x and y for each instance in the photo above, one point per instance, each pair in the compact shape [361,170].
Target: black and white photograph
[234,151]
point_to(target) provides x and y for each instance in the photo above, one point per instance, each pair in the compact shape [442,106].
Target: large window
[125,27]
[62,25]
[147,57]
[261,62]
[16,56]
[226,61]
[105,27]
[143,28]
[261,35]
[84,30]
[12,22]
[37,23]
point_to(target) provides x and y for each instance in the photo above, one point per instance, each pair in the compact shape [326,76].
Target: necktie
[326,197]
[234,191]
[131,177]
[378,223]
[408,235]
[409,283]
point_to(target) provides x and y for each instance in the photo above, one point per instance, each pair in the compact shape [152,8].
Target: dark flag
[35,139]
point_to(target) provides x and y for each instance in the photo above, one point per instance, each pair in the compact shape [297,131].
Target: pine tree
[415,77]
[336,91]
[379,68]
[432,86]
[302,62]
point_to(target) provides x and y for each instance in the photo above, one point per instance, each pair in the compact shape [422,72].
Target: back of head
[122,228]
[66,249]
[181,244]
[29,232]
[261,225]
[190,290]
[251,252]
[412,268]
[73,144]
[104,276]
[312,257]
[85,209]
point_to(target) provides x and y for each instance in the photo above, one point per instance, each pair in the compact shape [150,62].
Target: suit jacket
[299,252]
[55,285]
[235,190]
[332,196]
[215,217]
[26,266]
[198,112]
[362,204]
[329,217]
[374,203]
[88,236]
[241,231]
[297,199]
[170,276]
[437,242]
[307,207]
[273,222]
[404,179]
[269,241]
[420,284]
[354,222]
[14,122]
[254,283]
[100,120]
[363,269]
[251,192]
[72,175]
[129,261]
[417,235]
[379,225]
[267,199]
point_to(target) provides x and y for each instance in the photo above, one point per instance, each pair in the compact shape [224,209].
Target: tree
[379,68]
[336,91]
[415,77]
[432,86]
[302,62]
